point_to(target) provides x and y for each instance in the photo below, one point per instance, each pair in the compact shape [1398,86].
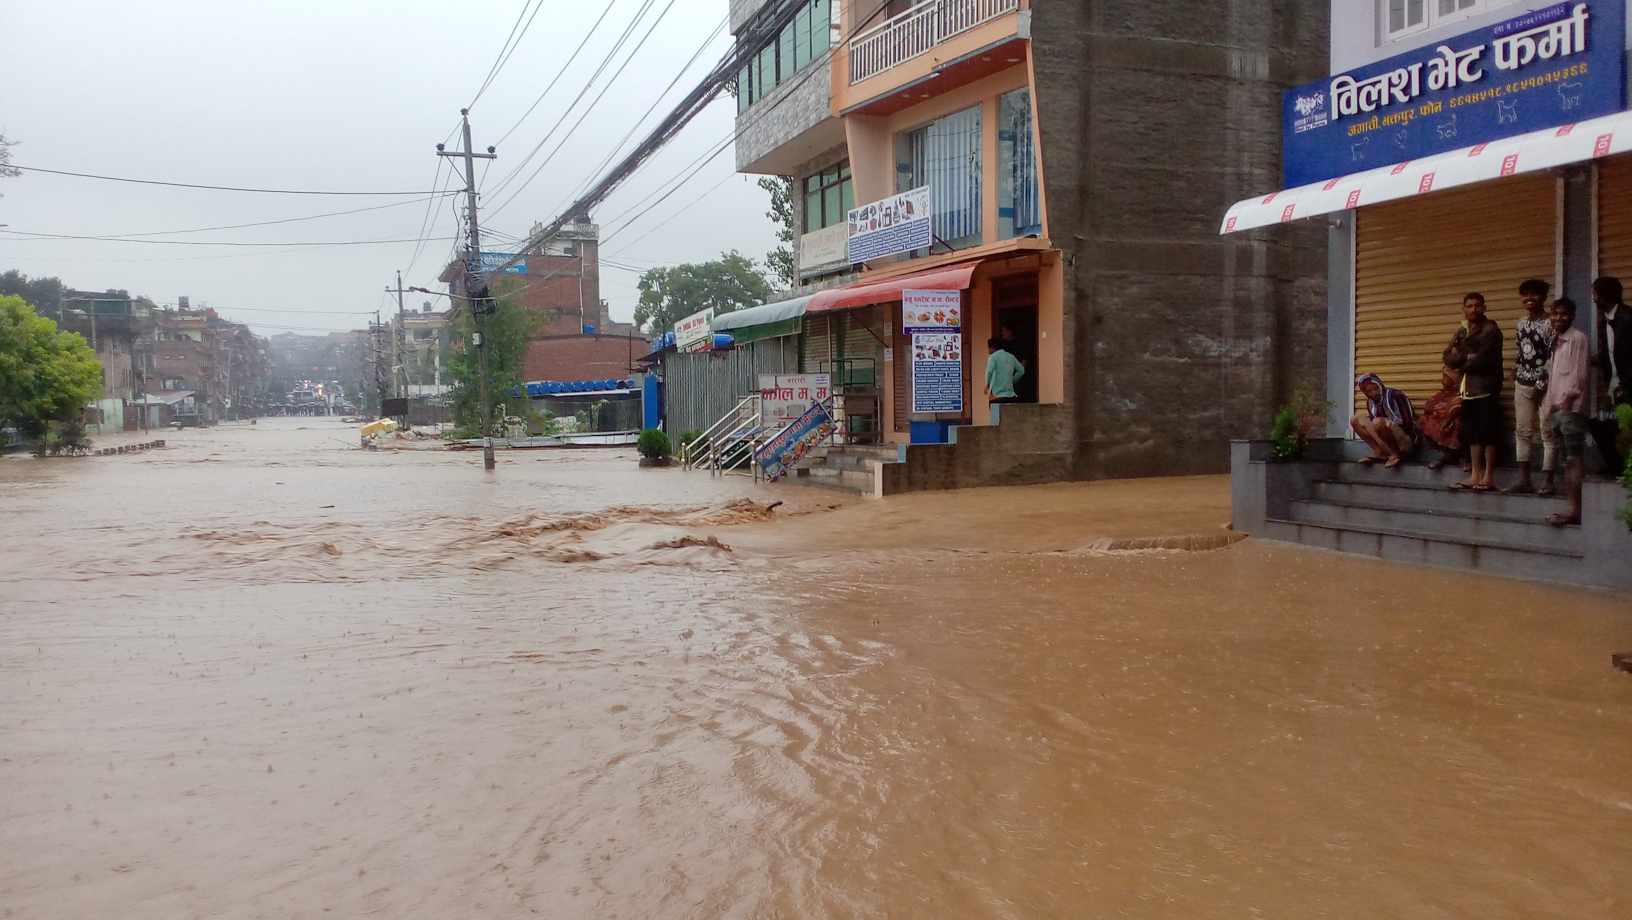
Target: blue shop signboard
[1553,66]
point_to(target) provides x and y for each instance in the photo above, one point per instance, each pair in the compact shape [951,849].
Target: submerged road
[262,673]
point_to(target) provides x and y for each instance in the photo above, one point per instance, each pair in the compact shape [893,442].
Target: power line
[425,221]
[218,188]
[618,147]
[283,220]
[27,235]
[617,46]
[503,56]
[558,75]
[665,221]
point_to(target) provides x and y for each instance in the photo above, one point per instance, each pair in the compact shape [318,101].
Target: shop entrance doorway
[1014,315]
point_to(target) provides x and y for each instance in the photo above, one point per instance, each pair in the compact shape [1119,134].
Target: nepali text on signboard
[694,332]
[785,397]
[1554,66]
[492,260]
[937,372]
[931,311]
[897,224]
[808,432]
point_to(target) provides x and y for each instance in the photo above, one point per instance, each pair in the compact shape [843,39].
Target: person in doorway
[1021,350]
[1441,421]
[1002,371]
[1476,351]
[1566,403]
[1388,423]
[1534,340]
[1614,363]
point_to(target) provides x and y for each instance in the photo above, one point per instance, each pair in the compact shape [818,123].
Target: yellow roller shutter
[1415,259]
[1615,218]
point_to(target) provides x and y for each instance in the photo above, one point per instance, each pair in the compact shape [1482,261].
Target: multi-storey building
[1074,156]
[574,338]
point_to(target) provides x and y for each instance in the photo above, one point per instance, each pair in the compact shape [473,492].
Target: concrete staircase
[852,468]
[1411,515]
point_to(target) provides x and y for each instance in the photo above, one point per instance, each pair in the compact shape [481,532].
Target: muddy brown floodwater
[264,674]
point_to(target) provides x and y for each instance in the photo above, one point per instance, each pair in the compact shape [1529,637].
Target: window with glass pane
[784,46]
[801,39]
[745,93]
[828,197]
[945,155]
[1019,212]
[821,33]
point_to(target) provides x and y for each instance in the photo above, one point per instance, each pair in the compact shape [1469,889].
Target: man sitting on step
[1387,423]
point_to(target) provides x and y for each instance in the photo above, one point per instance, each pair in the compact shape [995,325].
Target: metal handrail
[708,437]
[909,34]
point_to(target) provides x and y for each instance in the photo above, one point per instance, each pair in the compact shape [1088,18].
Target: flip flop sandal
[1460,486]
[1368,461]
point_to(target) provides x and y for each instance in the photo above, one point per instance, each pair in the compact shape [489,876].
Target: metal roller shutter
[1415,259]
[816,345]
[901,403]
[1615,218]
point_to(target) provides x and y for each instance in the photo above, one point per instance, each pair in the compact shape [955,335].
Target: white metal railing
[906,35]
[722,443]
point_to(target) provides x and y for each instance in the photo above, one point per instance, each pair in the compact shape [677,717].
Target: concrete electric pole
[399,347]
[475,283]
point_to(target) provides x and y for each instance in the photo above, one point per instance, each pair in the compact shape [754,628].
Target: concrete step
[1417,474]
[846,460]
[883,453]
[1436,498]
[1473,526]
[843,480]
[1513,561]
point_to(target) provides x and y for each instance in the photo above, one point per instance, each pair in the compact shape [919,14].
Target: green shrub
[1296,423]
[691,437]
[654,444]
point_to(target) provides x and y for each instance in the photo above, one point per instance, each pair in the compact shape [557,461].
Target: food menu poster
[931,311]
[937,372]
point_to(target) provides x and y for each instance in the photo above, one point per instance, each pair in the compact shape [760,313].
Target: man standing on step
[1002,371]
[1614,362]
[1565,406]
[1476,352]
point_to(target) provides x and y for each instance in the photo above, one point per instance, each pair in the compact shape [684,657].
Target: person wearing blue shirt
[1002,370]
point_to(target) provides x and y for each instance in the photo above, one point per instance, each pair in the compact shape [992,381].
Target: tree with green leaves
[670,294]
[780,261]
[46,376]
[507,329]
[45,294]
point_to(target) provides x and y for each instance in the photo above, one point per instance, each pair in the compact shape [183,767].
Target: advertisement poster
[785,397]
[931,311]
[808,432]
[694,332]
[492,260]
[937,372]
[1557,65]
[889,226]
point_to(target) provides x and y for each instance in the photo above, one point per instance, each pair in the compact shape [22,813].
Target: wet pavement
[262,673]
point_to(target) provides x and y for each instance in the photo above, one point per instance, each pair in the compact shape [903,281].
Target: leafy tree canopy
[44,293]
[780,261]
[672,293]
[507,329]
[45,375]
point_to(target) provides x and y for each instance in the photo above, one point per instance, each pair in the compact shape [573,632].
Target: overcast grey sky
[341,95]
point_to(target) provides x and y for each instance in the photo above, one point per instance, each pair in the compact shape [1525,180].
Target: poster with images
[937,372]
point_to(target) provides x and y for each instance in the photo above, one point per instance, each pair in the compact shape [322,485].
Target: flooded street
[261,673]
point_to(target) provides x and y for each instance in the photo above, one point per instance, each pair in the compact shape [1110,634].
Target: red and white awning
[1600,137]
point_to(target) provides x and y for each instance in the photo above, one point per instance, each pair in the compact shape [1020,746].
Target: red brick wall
[580,357]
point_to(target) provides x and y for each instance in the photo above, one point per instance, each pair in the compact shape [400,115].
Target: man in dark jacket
[1476,351]
[1614,363]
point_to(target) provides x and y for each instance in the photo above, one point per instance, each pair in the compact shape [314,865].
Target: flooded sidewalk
[262,673]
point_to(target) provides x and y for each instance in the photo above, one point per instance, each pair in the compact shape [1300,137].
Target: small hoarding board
[937,372]
[785,397]
[694,332]
[889,226]
[809,431]
[931,311]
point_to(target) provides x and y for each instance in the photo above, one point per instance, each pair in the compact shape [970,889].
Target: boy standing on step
[1566,403]
[1534,340]
[1476,351]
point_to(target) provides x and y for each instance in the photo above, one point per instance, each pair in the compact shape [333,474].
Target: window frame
[1432,18]
[834,180]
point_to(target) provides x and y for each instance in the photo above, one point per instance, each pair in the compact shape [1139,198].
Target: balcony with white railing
[909,34]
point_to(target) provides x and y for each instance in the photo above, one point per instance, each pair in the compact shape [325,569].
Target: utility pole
[399,348]
[475,283]
[379,364]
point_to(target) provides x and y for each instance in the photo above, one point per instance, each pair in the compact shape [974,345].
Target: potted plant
[654,448]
